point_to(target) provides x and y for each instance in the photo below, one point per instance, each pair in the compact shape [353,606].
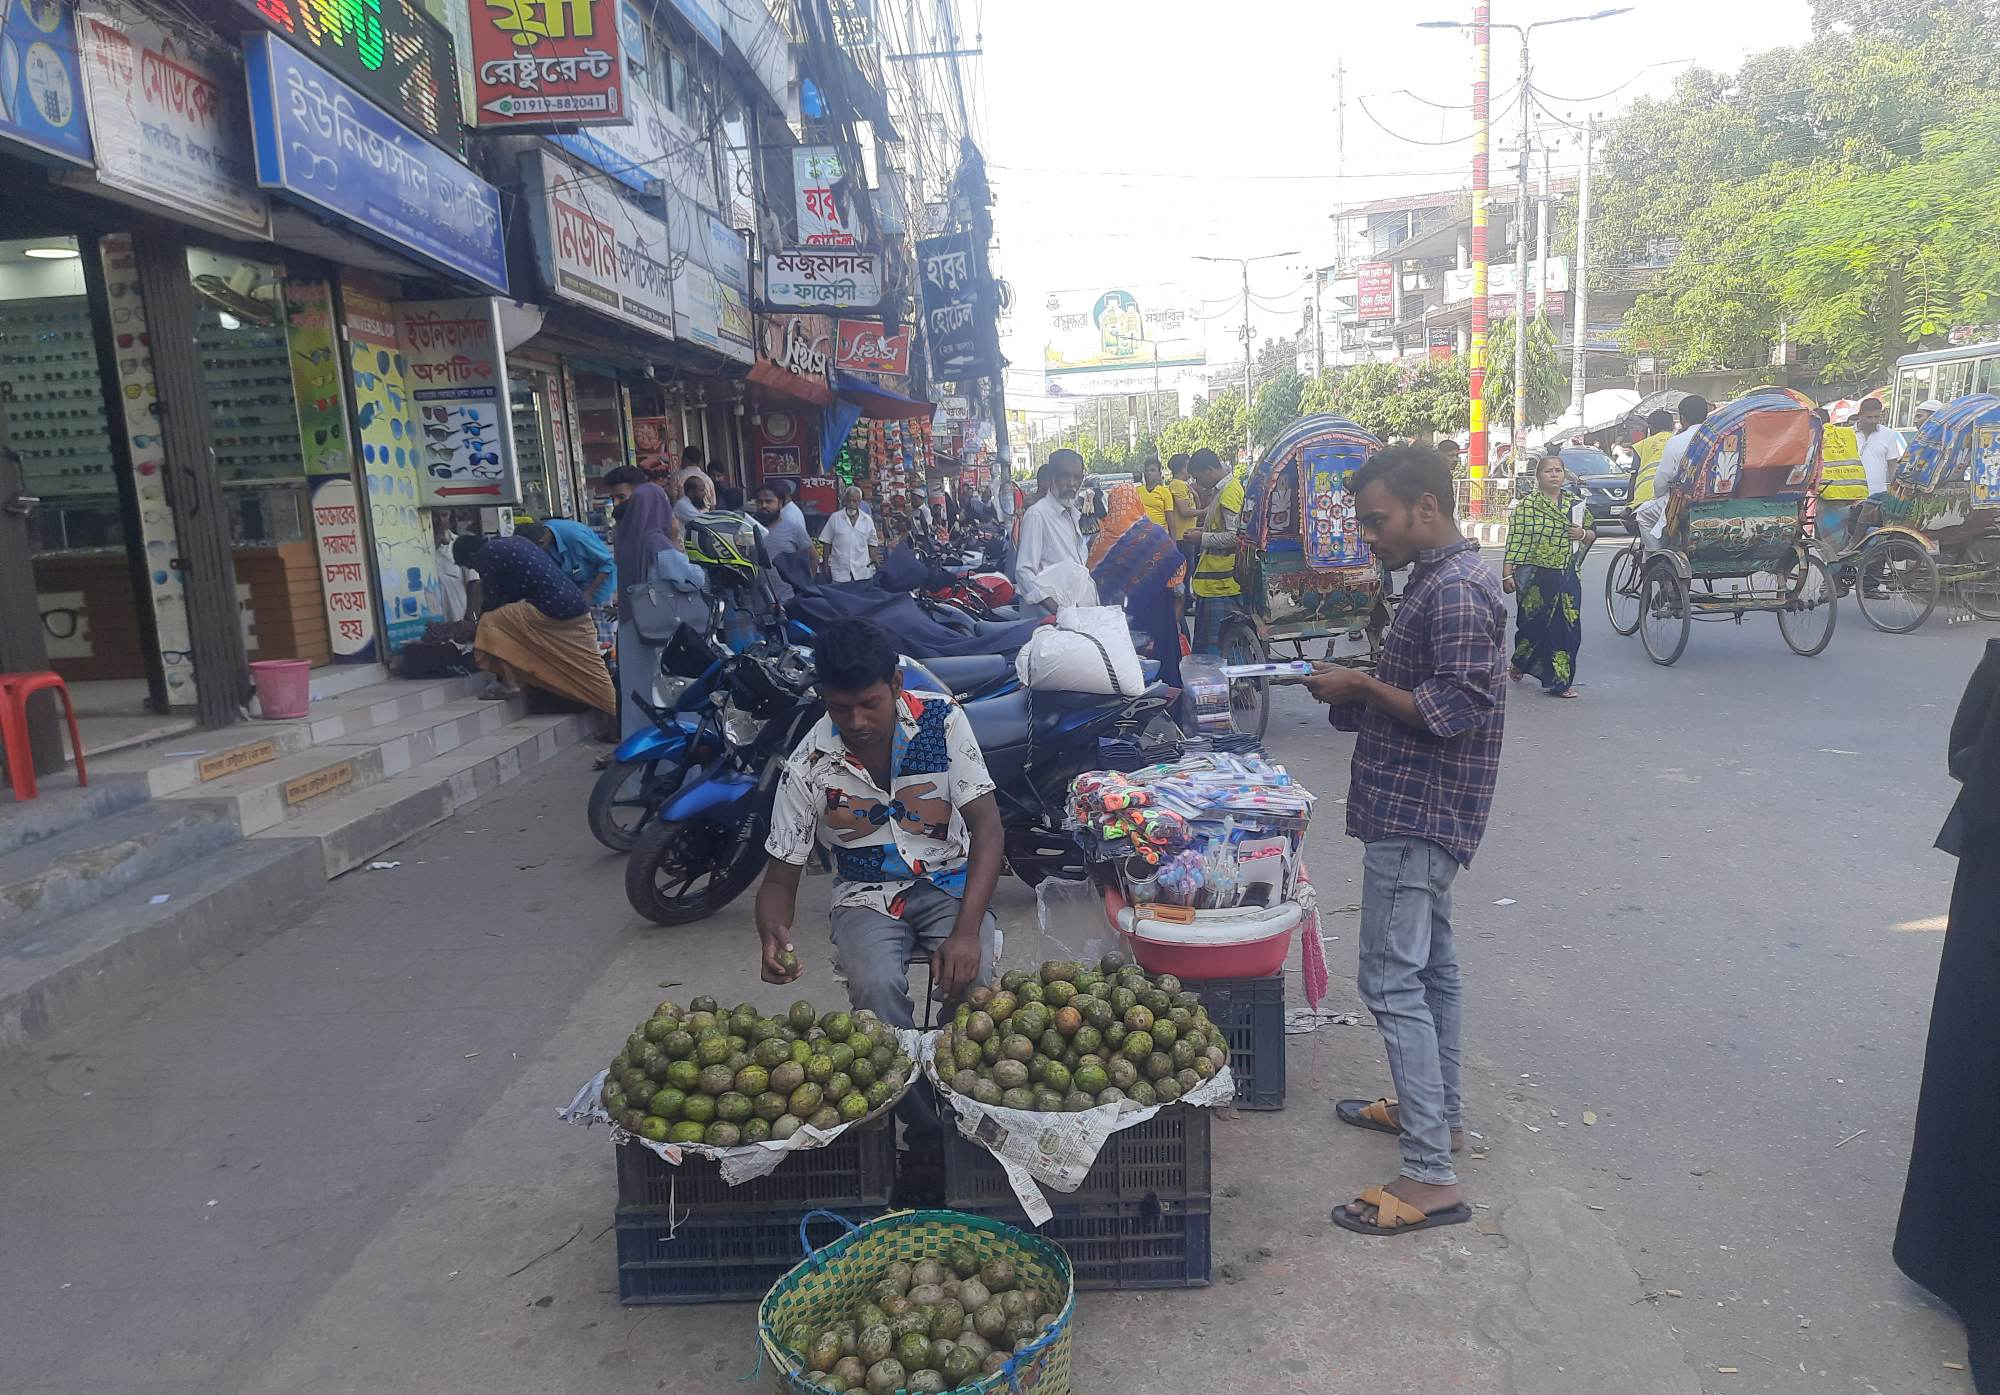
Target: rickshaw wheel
[1249,698]
[1663,612]
[1621,590]
[1981,592]
[1895,584]
[1801,622]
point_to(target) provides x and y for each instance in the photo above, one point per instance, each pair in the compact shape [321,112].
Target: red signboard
[867,346]
[1374,284]
[547,63]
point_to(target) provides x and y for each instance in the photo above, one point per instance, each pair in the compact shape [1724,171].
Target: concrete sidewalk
[333,1165]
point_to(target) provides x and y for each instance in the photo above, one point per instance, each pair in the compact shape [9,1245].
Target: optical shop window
[246,371]
[59,424]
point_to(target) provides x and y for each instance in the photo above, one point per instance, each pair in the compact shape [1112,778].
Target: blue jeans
[1409,979]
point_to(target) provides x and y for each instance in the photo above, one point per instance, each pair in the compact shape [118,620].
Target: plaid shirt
[1447,649]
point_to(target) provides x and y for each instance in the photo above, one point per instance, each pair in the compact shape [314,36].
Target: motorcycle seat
[970,672]
[1002,722]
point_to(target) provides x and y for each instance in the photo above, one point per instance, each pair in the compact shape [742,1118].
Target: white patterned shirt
[883,843]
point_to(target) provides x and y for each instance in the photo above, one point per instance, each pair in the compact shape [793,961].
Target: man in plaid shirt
[1424,764]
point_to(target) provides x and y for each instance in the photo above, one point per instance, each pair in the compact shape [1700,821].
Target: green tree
[1547,377]
[1277,407]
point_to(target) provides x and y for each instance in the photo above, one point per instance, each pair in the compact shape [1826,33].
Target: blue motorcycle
[705,846]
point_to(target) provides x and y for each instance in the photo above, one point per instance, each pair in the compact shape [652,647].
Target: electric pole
[1521,274]
[1580,312]
[1248,337]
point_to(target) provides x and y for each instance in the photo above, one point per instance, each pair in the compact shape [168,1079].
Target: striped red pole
[1482,40]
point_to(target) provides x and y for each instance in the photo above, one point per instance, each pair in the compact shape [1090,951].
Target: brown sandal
[1374,1115]
[1395,1216]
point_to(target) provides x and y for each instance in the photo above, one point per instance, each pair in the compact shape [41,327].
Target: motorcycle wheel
[685,871]
[621,804]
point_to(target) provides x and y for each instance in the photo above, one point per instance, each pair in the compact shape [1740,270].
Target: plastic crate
[853,1172]
[1127,1244]
[713,1255]
[1166,1158]
[1251,1014]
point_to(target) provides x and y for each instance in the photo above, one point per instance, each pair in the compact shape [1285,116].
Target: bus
[1943,374]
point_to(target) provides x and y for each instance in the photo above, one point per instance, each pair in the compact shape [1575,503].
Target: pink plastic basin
[1248,942]
[284,687]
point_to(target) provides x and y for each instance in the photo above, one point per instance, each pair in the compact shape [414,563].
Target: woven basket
[825,1287]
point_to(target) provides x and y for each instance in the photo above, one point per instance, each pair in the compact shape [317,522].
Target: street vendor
[892,784]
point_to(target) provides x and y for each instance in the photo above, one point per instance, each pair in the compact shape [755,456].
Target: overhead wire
[1362,102]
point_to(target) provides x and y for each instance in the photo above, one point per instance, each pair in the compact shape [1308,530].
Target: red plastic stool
[15,689]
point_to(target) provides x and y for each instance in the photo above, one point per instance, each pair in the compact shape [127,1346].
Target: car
[1607,489]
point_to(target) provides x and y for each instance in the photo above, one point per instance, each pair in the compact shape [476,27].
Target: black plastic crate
[715,1254]
[1251,1014]
[1127,1244]
[1166,1157]
[854,1171]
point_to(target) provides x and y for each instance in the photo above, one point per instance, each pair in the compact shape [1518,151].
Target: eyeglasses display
[246,367]
[56,419]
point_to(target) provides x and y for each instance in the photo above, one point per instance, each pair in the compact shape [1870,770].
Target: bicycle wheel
[1249,698]
[1621,590]
[1663,612]
[1895,584]
[1979,587]
[1806,622]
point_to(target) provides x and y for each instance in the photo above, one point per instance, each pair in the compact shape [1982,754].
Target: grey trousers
[638,666]
[872,952]
[1409,979]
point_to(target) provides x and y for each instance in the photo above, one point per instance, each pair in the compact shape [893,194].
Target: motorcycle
[705,846]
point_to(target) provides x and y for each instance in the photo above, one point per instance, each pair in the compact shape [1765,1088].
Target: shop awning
[876,402]
[796,386]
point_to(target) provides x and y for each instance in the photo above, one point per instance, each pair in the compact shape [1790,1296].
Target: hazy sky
[1124,137]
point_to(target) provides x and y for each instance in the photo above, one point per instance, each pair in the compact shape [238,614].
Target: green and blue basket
[829,1282]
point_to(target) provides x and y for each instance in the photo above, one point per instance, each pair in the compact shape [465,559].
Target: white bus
[1943,374]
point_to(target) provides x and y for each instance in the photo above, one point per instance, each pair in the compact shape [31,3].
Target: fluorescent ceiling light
[51,254]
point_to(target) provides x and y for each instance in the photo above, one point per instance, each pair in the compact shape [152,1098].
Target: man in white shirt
[1049,529]
[849,537]
[1651,516]
[1881,446]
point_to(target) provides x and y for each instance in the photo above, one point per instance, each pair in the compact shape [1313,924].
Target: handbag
[658,609]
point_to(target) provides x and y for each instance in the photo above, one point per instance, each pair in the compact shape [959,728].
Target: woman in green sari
[1541,567]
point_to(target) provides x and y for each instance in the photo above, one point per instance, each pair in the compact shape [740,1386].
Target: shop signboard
[801,345]
[1441,341]
[41,81]
[456,365]
[866,346]
[1375,290]
[167,120]
[600,252]
[957,335]
[656,442]
[323,144]
[701,17]
[1500,281]
[336,507]
[388,49]
[1120,329]
[391,466]
[823,221]
[820,278]
[546,62]
[731,263]
[654,147]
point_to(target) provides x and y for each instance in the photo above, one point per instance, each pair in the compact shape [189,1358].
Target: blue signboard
[321,143]
[41,89]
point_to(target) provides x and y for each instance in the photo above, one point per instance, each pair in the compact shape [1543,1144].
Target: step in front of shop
[353,825]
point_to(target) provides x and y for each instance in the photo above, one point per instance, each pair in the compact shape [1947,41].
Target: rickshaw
[1306,574]
[1937,528]
[1737,527]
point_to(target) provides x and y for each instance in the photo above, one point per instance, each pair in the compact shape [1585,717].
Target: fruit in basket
[752,1080]
[913,1349]
[666,1103]
[885,1377]
[686,1131]
[698,1109]
[850,1371]
[785,1125]
[805,1099]
[853,1106]
[927,1382]
[722,1134]
[960,1366]
[732,1107]
[826,1351]
[715,1079]
[655,1128]
[826,1118]
[787,1077]
[874,1344]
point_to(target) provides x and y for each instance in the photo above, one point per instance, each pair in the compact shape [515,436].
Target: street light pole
[1243,263]
[1482,27]
[1580,312]
[1521,271]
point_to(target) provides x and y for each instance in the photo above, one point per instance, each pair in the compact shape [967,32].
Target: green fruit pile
[931,1327]
[697,1074]
[1068,1038]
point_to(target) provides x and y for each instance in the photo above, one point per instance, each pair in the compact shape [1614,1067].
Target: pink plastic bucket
[284,687]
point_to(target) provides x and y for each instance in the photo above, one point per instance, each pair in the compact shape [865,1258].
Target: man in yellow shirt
[1660,426]
[1185,512]
[1154,497]
[1216,591]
